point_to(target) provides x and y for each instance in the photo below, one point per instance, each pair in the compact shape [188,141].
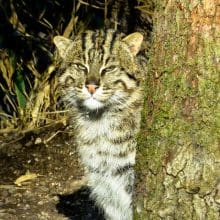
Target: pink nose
[92,88]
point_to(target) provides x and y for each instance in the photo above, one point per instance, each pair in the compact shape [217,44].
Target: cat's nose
[92,88]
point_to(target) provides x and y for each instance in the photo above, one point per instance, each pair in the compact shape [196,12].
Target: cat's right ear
[61,43]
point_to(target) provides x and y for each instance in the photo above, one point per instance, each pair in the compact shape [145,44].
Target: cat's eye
[108,69]
[80,67]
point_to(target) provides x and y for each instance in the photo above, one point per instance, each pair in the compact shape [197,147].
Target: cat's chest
[90,130]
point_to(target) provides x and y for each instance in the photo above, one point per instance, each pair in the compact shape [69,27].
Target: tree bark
[178,161]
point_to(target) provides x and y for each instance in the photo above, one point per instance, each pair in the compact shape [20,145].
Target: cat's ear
[61,43]
[134,42]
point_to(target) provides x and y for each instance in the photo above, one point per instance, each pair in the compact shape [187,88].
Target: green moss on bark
[178,162]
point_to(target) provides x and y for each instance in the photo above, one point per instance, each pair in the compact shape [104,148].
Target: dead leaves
[28,176]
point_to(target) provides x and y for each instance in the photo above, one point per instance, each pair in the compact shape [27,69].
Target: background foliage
[28,81]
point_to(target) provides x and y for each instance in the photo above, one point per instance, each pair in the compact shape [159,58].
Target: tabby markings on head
[100,68]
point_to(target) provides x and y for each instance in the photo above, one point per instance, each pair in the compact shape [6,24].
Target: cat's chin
[93,104]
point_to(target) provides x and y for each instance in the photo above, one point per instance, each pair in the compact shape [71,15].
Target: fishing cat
[101,80]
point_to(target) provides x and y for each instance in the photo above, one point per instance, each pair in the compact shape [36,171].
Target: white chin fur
[93,104]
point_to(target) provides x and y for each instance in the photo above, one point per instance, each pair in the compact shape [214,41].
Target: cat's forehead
[99,46]
[99,39]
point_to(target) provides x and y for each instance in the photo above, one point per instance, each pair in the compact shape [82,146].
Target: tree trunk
[178,161]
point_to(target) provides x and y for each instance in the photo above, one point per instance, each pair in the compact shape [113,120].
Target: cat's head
[100,69]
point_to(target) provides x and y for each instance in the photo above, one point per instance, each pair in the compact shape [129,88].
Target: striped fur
[107,121]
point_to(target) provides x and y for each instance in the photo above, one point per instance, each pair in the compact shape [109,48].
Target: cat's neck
[93,115]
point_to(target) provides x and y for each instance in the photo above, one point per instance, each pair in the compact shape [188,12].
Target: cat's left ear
[134,42]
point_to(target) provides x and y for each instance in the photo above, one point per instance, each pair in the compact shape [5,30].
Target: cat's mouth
[93,104]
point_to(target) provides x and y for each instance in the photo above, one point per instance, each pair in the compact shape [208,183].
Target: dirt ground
[40,177]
